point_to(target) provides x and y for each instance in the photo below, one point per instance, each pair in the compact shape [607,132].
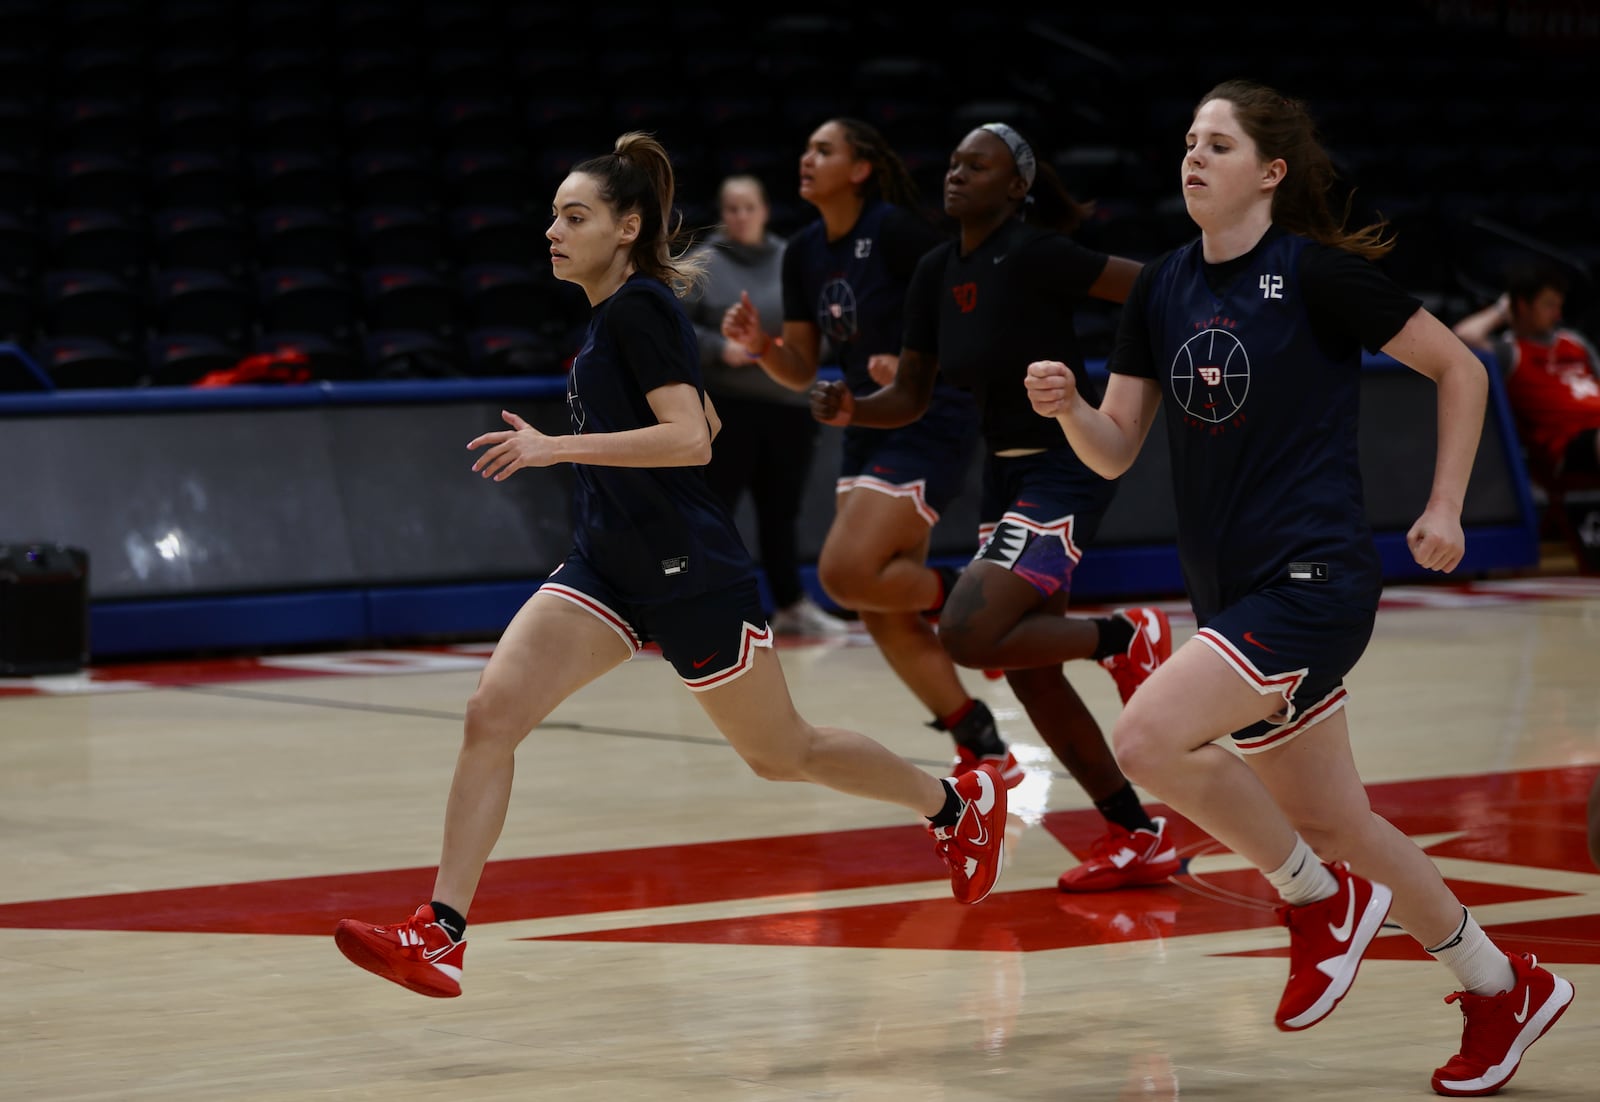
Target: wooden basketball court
[179,839]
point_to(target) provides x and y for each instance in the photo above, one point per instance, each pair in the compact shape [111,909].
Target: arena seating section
[186,182]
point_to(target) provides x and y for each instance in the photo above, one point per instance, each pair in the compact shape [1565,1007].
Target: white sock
[1303,878]
[1481,968]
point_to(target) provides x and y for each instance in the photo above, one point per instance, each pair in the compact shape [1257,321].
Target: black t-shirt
[654,533]
[986,316]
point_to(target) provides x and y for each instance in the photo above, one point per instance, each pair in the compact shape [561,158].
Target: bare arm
[1107,439]
[1428,348]
[680,438]
[900,403]
[1116,280]
[1478,329]
[791,359]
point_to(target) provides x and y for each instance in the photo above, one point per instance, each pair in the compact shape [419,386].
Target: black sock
[975,729]
[950,813]
[449,918]
[1116,635]
[1123,808]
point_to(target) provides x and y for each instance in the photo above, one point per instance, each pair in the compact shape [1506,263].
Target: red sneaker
[1499,1028]
[1124,859]
[1327,940]
[976,845]
[1005,764]
[417,954]
[1151,646]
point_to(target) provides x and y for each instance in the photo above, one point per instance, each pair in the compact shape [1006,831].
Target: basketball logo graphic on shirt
[1211,375]
[575,406]
[836,310]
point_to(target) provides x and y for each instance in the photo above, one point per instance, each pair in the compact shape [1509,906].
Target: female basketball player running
[1253,335]
[655,557]
[844,279]
[978,310]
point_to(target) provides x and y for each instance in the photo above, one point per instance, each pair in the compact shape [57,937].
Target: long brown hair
[1282,127]
[636,176]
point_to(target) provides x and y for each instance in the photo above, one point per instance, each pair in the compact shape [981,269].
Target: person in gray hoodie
[768,436]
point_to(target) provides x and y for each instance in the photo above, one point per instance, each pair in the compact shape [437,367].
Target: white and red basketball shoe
[975,847]
[1151,645]
[1123,858]
[417,954]
[1499,1028]
[1327,940]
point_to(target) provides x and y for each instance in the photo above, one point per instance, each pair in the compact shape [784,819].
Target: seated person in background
[1552,374]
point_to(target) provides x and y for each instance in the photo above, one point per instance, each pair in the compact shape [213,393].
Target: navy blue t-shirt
[1259,363]
[654,533]
[986,316]
[853,289]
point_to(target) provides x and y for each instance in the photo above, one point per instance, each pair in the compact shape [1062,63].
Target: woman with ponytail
[657,558]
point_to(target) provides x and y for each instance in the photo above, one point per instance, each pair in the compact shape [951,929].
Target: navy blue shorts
[1294,640]
[1037,514]
[710,638]
[925,461]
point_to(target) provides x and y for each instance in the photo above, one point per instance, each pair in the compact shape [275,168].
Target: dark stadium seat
[397,235]
[391,177]
[75,363]
[90,237]
[98,179]
[21,246]
[304,123]
[387,123]
[201,302]
[181,359]
[410,354]
[493,234]
[199,122]
[508,351]
[102,124]
[409,297]
[302,237]
[195,178]
[17,313]
[200,237]
[307,300]
[297,177]
[78,303]
[489,177]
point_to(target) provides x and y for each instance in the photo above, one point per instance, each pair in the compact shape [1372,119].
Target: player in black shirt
[1253,335]
[844,279]
[656,557]
[979,310]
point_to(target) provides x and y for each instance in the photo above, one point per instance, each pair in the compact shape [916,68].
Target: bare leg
[1164,741]
[997,621]
[1314,778]
[875,562]
[551,649]
[757,716]
[1069,729]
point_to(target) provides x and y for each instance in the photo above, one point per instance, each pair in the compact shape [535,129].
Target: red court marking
[1026,921]
[532,887]
[1523,819]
